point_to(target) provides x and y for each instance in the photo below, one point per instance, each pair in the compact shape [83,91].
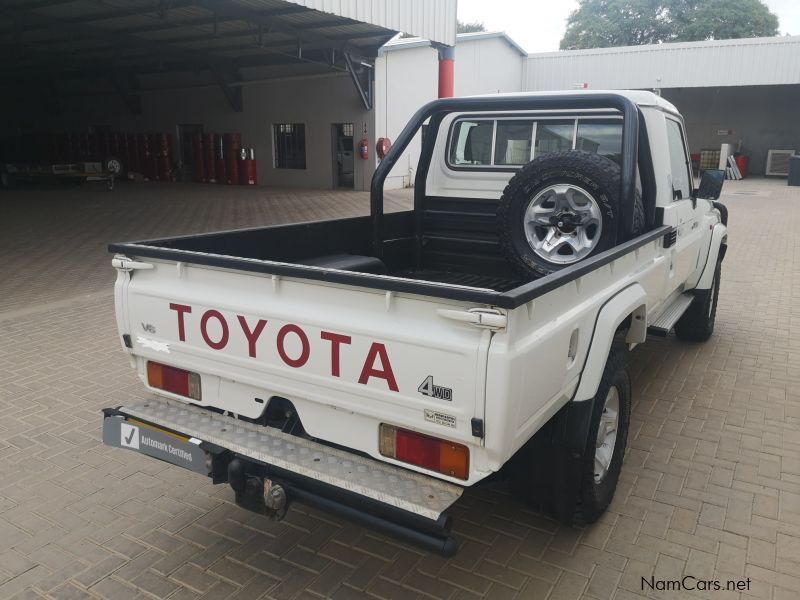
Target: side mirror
[710,185]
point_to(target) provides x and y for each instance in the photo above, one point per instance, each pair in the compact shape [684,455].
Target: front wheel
[697,323]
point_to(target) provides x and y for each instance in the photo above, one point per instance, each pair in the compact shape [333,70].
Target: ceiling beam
[271,23]
[117,39]
[33,53]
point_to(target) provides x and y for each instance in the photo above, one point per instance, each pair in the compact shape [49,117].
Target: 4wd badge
[427,388]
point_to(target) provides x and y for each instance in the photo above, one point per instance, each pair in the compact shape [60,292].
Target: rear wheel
[608,437]
[570,476]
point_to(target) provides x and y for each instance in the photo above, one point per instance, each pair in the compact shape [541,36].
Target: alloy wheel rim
[563,223]
[606,435]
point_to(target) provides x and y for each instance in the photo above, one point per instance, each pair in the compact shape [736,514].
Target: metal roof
[48,39]
[715,63]
[404,43]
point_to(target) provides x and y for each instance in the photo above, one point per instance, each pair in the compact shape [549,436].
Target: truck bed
[291,251]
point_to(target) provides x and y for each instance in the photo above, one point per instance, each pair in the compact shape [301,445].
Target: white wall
[406,78]
[404,81]
[716,63]
[487,66]
[318,101]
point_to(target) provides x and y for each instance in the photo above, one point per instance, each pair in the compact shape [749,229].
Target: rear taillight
[425,451]
[173,380]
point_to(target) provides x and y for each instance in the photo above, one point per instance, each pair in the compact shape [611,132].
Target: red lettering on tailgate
[376,364]
[378,350]
[223,340]
[336,339]
[252,336]
[181,308]
[304,353]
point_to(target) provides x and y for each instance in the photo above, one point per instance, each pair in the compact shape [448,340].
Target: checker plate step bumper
[385,483]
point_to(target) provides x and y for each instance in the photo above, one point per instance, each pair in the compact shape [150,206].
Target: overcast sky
[538,25]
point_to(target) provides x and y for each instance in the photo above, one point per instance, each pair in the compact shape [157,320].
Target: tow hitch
[257,493]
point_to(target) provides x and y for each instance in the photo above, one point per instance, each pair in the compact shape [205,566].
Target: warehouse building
[742,92]
[745,92]
[294,78]
[305,81]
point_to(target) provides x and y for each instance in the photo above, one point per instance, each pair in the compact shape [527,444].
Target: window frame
[493,168]
[275,135]
[687,160]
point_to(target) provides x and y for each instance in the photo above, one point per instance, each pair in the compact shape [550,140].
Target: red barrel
[133,152]
[72,147]
[103,145]
[197,157]
[92,149]
[164,156]
[124,152]
[62,155]
[247,168]
[219,159]
[113,146]
[151,160]
[143,146]
[209,160]
[233,143]
[164,141]
[83,146]
[164,168]
[742,162]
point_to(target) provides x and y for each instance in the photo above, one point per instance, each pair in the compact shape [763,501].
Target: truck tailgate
[347,358]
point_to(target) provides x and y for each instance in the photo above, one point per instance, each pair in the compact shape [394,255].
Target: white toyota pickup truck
[376,366]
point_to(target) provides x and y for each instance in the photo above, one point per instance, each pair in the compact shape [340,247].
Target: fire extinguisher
[363,148]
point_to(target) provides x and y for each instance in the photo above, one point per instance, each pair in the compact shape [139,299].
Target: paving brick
[193,577]
[711,481]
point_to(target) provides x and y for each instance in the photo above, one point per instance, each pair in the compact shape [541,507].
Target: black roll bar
[630,138]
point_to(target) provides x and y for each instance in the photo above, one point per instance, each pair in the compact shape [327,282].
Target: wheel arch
[624,312]
[716,252]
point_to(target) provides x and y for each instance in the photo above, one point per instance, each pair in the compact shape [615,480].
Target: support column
[447,56]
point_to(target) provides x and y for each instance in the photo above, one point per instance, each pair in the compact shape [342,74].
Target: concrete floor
[710,486]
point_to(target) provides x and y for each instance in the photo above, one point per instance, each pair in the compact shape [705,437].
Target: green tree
[474,26]
[605,23]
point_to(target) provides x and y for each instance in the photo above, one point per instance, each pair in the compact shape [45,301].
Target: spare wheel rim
[563,223]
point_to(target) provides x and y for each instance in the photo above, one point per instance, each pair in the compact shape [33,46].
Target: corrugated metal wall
[758,61]
[434,20]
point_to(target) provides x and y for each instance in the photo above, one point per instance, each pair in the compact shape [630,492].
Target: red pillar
[447,55]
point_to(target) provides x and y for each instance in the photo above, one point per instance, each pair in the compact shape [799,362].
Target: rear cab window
[508,143]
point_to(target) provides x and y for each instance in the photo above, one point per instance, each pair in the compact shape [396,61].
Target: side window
[471,143]
[513,142]
[681,184]
[553,136]
[601,137]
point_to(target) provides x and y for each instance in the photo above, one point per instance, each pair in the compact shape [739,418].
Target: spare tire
[559,209]
[113,166]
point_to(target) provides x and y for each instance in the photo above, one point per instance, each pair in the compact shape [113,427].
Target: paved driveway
[710,486]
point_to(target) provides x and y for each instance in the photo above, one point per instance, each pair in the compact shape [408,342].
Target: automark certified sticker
[440,418]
